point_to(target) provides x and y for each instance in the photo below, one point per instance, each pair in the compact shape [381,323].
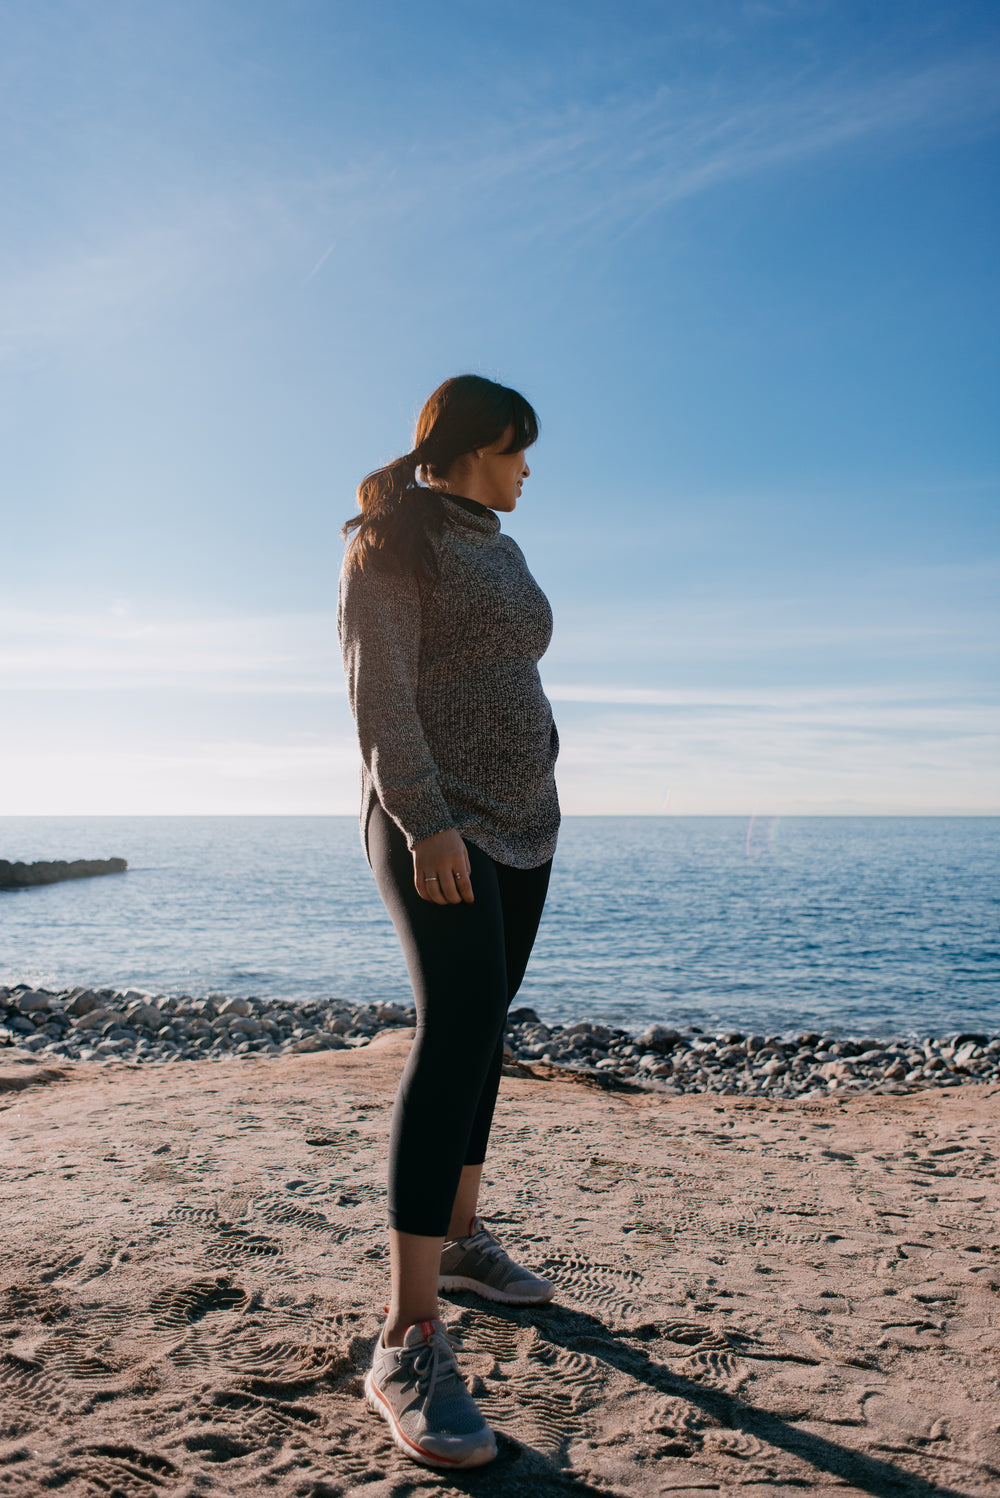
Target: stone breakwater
[25,875]
[109,1024]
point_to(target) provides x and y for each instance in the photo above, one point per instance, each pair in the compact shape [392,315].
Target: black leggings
[466,963]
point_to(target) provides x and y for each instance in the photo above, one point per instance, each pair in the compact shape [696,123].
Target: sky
[740,256]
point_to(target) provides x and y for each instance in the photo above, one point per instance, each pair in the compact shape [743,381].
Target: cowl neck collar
[469,516]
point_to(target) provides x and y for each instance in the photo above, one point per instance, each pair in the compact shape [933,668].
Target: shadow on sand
[521,1471]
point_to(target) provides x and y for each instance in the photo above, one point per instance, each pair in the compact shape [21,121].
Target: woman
[442,626]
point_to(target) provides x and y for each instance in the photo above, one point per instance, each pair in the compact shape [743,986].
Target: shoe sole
[462,1282]
[416,1453]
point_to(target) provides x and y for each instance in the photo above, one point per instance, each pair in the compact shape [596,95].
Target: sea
[859,926]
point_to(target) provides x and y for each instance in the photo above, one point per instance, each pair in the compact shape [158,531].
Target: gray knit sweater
[454,727]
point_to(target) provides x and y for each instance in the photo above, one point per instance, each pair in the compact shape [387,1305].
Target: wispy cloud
[117,650]
[221,776]
[595,168]
[79,291]
[603,167]
[890,623]
[95,693]
[684,156]
[784,761]
[933,706]
[818,755]
[120,272]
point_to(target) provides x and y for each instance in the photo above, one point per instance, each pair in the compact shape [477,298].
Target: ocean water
[874,926]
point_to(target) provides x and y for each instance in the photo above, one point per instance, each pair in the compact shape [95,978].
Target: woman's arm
[379,625]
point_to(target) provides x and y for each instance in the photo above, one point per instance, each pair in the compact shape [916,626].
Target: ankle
[396,1326]
[460,1225]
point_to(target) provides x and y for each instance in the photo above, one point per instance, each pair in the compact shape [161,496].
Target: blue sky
[740,256]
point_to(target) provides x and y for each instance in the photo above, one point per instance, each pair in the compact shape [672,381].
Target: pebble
[111,1025]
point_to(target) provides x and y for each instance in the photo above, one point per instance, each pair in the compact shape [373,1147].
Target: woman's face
[501,475]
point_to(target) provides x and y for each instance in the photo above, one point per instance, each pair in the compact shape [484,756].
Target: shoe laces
[484,1241]
[432,1362]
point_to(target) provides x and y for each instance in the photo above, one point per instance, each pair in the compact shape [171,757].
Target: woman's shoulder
[509,544]
[377,583]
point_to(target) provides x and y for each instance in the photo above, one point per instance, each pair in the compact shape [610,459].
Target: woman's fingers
[441,870]
[429,888]
[456,886]
[455,878]
[463,882]
[450,887]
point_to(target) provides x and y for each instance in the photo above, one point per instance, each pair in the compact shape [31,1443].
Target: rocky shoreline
[106,1024]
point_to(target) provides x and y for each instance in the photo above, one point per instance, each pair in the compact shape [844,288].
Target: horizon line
[752,816]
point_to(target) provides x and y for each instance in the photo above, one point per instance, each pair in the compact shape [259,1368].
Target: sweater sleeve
[378,620]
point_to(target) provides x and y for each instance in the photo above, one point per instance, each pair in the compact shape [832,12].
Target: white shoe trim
[377,1402]
[505,1297]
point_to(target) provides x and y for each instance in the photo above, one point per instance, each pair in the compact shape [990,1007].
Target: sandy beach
[756,1295]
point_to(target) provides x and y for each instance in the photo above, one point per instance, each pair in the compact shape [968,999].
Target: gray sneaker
[419,1390]
[478,1263]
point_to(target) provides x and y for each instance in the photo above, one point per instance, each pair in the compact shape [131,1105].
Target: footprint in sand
[113,1468]
[168,1175]
[733,1443]
[216,1446]
[681,1423]
[722,1369]
[582,1282]
[756,1234]
[538,1403]
[35,1302]
[277,1367]
[687,1333]
[278,1209]
[67,1357]
[198,1216]
[330,1138]
[540,1389]
[482,1331]
[233,1244]
[181,1305]
[603,1175]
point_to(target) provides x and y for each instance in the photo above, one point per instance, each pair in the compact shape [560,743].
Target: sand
[755,1296]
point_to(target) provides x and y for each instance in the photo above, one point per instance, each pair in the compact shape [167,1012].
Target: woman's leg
[458,967]
[473,1259]
[522,898]
[414,1267]
[466,1200]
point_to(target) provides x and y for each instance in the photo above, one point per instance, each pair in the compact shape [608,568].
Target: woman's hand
[441,869]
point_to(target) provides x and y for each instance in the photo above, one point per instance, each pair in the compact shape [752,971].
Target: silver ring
[431,879]
[457,876]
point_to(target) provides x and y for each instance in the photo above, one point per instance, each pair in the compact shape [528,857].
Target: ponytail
[399,521]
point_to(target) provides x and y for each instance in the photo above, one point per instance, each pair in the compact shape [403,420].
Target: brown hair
[400,520]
